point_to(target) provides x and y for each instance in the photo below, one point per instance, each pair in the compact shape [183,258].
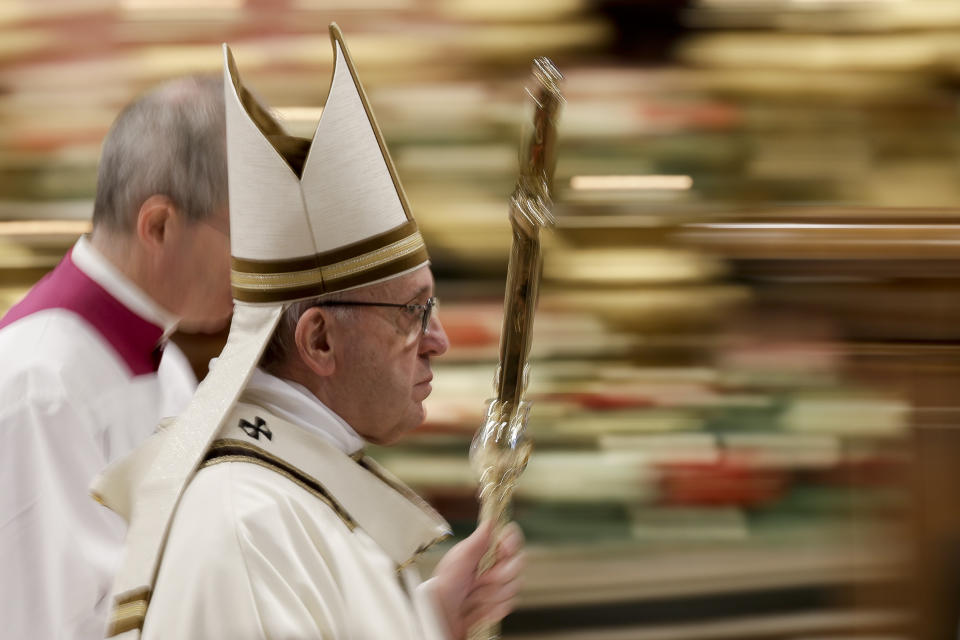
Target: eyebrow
[421,291]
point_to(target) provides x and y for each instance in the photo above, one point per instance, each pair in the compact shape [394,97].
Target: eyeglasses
[425,310]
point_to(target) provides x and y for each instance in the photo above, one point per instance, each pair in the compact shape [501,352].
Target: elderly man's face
[383,365]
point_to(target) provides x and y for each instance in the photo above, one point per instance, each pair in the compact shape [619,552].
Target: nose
[435,342]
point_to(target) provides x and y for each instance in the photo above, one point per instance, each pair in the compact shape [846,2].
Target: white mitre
[342,223]
[345,223]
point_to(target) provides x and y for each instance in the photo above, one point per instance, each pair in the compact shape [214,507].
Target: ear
[314,340]
[155,220]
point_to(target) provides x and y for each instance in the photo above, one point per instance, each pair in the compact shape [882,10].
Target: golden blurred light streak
[19,228]
[531,10]
[507,42]
[747,226]
[826,4]
[396,50]
[825,52]
[343,5]
[300,114]
[629,265]
[17,11]
[609,221]
[820,239]
[153,5]
[169,60]
[54,75]
[20,42]
[629,183]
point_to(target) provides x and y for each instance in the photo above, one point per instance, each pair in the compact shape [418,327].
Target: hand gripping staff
[500,448]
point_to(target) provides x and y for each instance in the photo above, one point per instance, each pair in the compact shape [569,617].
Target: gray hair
[170,141]
[282,344]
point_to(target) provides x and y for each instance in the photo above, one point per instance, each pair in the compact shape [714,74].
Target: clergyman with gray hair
[87,370]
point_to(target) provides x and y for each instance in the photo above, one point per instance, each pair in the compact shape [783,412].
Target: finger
[510,541]
[476,544]
[492,595]
[488,615]
[483,533]
[504,571]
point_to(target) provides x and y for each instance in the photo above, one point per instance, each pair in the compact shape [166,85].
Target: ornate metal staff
[500,448]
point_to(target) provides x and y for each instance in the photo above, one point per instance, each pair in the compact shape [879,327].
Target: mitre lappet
[307,218]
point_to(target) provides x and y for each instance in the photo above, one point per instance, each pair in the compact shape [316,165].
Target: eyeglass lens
[427,312]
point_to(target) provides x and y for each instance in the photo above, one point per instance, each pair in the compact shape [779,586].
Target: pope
[257,513]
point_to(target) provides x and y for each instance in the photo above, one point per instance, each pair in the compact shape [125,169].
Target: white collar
[94,265]
[296,404]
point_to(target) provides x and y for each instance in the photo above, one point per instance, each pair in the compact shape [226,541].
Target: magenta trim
[134,339]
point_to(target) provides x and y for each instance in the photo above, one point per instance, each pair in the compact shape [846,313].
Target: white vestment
[78,388]
[287,532]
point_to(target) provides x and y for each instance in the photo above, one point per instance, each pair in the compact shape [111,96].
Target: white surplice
[288,532]
[70,402]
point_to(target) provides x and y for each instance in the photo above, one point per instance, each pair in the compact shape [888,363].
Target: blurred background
[745,371]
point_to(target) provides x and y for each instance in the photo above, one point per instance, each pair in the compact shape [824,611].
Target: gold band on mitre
[365,262]
[129,612]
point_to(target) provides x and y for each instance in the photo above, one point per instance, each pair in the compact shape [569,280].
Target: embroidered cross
[254,430]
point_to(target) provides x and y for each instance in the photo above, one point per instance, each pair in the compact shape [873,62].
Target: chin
[399,429]
[415,422]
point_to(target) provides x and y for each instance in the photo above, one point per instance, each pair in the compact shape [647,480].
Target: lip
[424,388]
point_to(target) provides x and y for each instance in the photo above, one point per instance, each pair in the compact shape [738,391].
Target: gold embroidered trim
[375,258]
[229,450]
[129,612]
[372,259]
[420,551]
[394,483]
[345,252]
